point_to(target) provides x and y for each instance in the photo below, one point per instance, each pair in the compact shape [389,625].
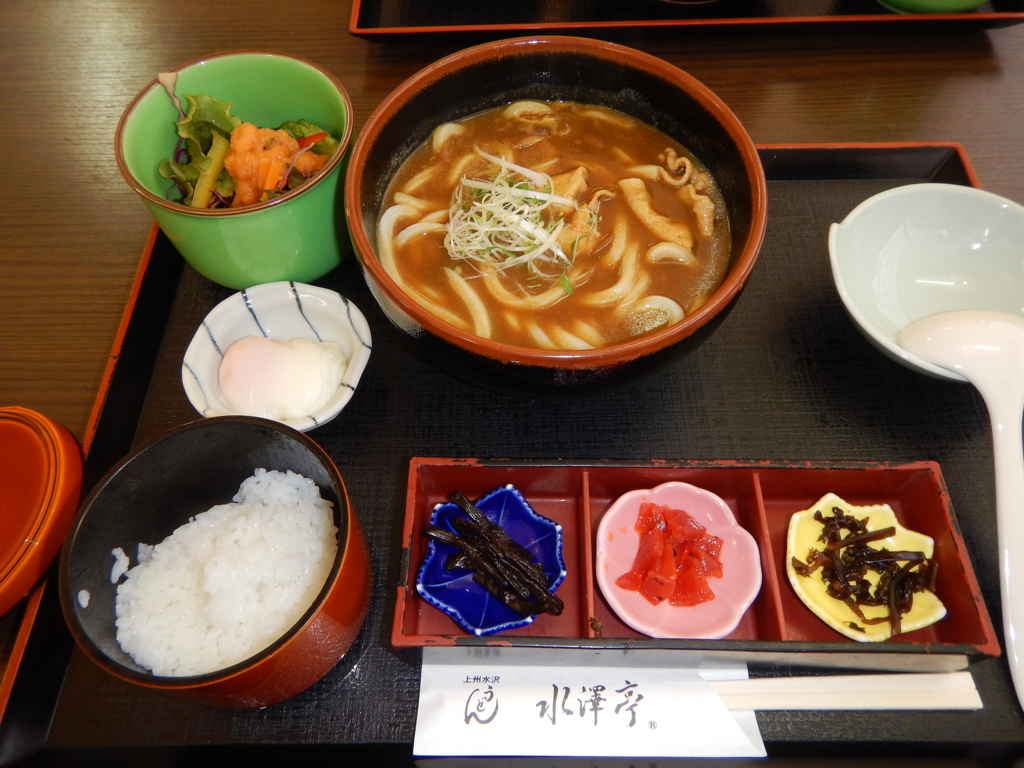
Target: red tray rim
[31,602]
[9,671]
[551,26]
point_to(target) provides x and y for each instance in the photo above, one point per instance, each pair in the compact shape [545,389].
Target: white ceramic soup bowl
[921,249]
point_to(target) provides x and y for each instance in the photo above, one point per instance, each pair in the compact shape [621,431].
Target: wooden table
[71,231]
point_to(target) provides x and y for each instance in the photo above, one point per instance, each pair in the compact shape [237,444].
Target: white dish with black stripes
[285,311]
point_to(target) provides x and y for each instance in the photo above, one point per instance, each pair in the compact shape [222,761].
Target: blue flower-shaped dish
[454,592]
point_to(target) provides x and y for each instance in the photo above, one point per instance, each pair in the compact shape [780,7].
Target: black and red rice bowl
[161,486]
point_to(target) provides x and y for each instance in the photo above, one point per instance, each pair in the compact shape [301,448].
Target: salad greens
[205,118]
[197,168]
[300,129]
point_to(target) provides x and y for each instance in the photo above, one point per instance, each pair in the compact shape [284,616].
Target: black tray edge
[38,681]
[361,26]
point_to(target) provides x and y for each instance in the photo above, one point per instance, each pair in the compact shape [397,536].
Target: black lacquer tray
[395,19]
[786,378]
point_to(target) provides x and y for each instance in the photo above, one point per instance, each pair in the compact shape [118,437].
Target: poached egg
[280,380]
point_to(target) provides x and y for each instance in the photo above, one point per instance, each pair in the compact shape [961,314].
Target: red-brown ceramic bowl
[155,490]
[554,68]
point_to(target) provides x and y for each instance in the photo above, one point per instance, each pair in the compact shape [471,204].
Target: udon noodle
[554,225]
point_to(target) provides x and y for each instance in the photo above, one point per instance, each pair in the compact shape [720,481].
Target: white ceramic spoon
[987,348]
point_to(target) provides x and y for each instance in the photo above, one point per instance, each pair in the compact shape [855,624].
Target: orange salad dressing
[256,153]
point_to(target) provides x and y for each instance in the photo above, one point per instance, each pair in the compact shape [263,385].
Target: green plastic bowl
[298,236]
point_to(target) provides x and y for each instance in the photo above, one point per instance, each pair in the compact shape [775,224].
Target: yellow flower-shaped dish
[804,536]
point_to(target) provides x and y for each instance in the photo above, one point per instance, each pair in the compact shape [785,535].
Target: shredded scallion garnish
[509,221]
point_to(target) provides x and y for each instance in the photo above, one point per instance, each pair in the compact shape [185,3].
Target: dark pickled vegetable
[846,559]
[499,565]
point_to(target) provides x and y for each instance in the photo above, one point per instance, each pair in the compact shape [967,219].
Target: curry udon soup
[554,225]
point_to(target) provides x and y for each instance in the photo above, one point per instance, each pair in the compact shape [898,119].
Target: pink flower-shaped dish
[617,544]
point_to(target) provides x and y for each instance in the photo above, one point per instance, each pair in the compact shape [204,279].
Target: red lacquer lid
[40,487]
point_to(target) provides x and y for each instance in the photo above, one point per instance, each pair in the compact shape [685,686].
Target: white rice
[229,582]
[121,563]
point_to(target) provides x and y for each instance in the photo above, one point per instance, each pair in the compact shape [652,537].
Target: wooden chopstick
[944,690]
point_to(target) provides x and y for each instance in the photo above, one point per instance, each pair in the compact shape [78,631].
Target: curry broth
[608,144]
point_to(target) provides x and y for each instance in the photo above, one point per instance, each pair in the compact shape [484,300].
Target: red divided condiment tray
[778,627]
